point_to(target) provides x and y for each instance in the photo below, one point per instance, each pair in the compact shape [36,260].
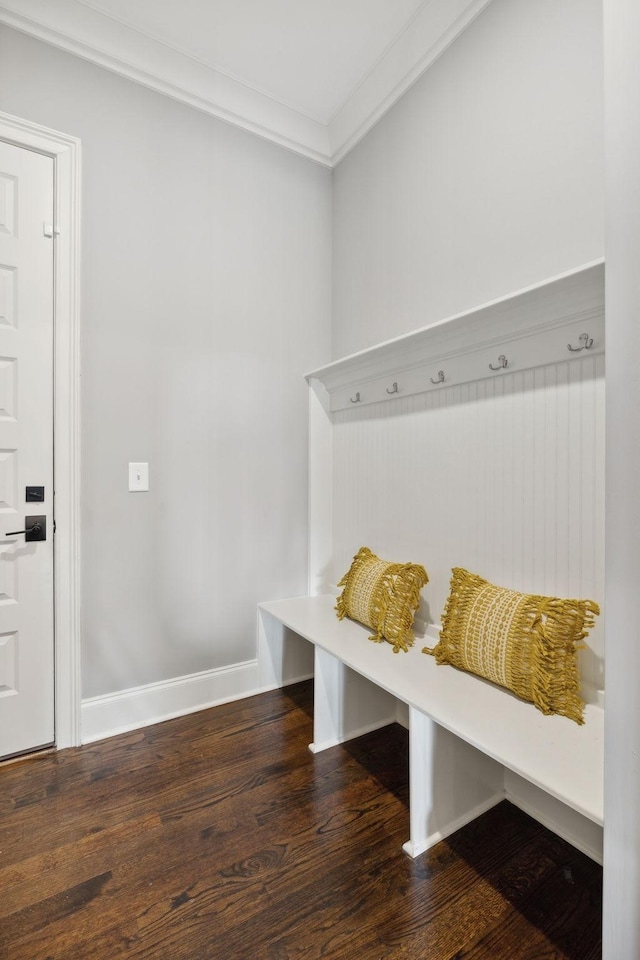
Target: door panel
[26,449]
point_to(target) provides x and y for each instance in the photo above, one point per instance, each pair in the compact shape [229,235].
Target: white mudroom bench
[526,366]
[471,743]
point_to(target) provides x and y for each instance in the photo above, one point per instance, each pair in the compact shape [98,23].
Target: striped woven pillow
[523,642]
[383,596]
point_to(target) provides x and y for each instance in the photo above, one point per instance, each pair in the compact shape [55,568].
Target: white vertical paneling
[502,476]
[621,932]
[596,569]
[320,473]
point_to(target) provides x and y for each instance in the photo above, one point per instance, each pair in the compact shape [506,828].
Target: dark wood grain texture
[219,835]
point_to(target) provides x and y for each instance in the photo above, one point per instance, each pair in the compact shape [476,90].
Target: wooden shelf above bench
[556,320]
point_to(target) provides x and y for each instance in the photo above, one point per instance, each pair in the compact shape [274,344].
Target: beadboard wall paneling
[502,476]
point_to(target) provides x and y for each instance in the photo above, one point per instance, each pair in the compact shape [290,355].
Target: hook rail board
[558,320]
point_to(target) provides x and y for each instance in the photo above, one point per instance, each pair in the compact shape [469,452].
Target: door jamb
[66,153]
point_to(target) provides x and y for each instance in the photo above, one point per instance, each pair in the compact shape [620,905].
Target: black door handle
[36,529]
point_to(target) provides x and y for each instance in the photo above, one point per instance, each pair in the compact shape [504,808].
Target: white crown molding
[91,35]
[125,51]
[427,36]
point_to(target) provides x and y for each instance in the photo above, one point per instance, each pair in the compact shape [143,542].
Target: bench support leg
[283,656]
[346,705]
[451,783]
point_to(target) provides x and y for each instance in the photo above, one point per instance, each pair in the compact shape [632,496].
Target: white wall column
[622,250]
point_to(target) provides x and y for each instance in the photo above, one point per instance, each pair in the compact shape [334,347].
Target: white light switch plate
[138,477]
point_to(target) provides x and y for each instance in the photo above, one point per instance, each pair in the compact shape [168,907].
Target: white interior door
[26,450]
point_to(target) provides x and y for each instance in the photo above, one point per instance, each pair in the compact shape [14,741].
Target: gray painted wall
[207,293]
[486,177]
[206,269]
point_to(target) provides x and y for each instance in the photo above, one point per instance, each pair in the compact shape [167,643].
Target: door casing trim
[66,152]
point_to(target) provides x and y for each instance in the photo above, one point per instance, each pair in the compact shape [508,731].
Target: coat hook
[440,377]
[502,362]
[586,342]
[394,387]
[355,399]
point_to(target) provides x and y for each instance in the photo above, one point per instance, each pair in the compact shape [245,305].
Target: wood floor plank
[225,880]
[56,869]
[123,792]
[220,835]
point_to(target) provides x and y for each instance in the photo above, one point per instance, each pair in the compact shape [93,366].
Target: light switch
[138,477]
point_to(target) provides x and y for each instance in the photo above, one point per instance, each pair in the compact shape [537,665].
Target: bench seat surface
[553,753]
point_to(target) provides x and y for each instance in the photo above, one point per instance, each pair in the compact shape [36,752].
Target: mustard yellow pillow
[383,596]
[523,642]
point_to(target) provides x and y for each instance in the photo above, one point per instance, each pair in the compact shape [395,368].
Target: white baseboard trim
[573,827]
[113,713]
[360,732]
[415,849]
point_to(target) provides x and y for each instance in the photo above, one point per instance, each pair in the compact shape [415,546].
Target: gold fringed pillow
[383,596]
[523,642]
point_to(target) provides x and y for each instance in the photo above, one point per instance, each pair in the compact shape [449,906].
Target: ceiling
[312,75]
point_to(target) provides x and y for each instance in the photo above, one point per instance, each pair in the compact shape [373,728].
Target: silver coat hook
[393,388]
[355,399]
[586,342]
[440,377]
[502,362]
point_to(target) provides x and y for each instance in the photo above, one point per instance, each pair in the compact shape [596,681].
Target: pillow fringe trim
[548,677]
[405,580]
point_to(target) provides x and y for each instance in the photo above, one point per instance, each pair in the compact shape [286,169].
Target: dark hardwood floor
[219,835]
